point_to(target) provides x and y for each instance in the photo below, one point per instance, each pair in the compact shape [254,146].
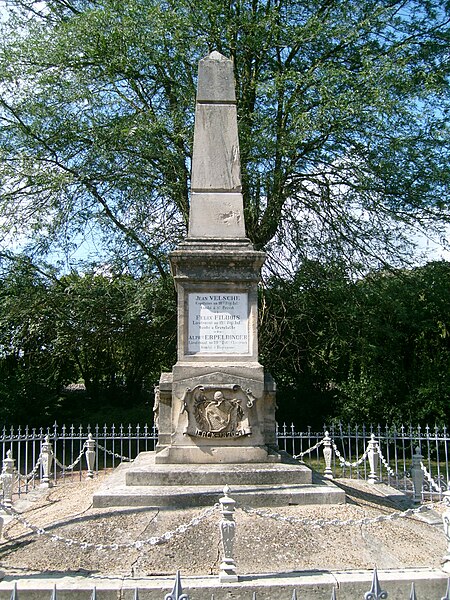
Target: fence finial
[90,456]
[7,478]
[54,595]
[417,475]
[375,592]
[14,594]
[327,453]
[177,591]
[372,455]
[46,462]
[447,593]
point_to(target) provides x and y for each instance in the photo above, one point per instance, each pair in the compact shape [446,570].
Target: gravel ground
[262,545]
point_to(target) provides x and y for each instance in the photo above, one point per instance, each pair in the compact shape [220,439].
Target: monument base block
[215,454]
[145,483]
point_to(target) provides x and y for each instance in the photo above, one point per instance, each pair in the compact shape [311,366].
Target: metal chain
[333,522]
[430,479]
[74,464]
[302,454]
[346,463]
[152,541]
[391,471]
[124,458]
[32,474]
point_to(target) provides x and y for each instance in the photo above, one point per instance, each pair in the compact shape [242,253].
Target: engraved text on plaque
[218,323]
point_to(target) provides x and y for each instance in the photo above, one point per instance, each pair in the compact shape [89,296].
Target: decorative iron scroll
[218,411]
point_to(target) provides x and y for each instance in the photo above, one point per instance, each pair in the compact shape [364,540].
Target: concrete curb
[309,585]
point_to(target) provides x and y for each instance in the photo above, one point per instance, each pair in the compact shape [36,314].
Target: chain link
[32,474]
[430,479]
[391,471]
[74,464]
[111,453]
[331,522]
[346,463]
[302,454]
[138,545]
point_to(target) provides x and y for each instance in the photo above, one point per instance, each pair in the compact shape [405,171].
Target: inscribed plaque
[218,323]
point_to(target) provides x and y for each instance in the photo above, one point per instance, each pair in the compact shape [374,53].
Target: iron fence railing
[398,445]
[118,443]
[114,444]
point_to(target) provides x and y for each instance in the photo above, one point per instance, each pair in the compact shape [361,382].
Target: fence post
[7,479]
[90,455]
[46,462]
[328,473]
[446,523]
[372,454]
[417,475]
[227,526]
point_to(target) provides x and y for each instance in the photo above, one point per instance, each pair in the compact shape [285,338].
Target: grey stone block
[215,158]
[216,215]
[215,79]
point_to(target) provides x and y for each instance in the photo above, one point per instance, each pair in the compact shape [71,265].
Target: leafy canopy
[376,350]
[112,334]
[343,110]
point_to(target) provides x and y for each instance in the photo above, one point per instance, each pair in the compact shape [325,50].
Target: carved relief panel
[218,411]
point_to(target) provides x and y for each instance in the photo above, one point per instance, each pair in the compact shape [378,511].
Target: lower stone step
[245,495]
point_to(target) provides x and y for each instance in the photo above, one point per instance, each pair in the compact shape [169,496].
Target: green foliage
[342,109]
[373,350]
[304,331]
[370,350]
[114,334]
[400,351]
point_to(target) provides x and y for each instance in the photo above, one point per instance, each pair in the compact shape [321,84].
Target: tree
[113,334]
[398,349]
[304,336]
[373,350]
[343,110]
[31,373]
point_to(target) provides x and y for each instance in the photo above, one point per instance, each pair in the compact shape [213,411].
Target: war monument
[215,410]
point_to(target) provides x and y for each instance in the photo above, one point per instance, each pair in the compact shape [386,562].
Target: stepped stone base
[144,483]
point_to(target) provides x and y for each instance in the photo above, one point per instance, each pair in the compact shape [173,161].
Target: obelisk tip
[215,79]
[216,209]
[214,55]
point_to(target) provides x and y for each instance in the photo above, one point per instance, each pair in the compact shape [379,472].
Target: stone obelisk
[216,409]
[217,405]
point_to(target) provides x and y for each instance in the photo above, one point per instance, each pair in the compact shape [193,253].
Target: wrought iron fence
[113,445]
[397,449]
[397,444]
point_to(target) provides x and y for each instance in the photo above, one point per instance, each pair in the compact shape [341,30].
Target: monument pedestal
[216,414]
[217,404]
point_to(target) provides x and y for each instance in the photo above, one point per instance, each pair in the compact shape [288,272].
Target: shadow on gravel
[395,501]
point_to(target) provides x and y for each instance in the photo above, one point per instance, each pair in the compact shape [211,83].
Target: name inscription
[218,324]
